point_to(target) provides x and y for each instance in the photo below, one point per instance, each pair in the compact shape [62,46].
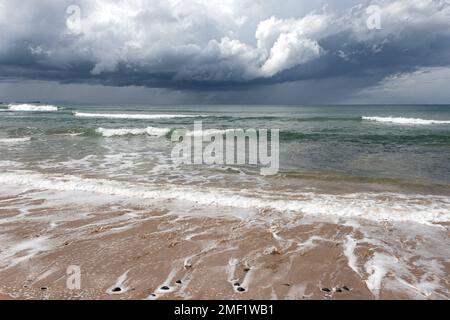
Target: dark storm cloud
[219,45]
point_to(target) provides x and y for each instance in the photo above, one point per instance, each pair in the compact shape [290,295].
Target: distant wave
[426,209]
[151,131]
[405,120]
[31,107]
[14,140]
[288,136]
[131,115]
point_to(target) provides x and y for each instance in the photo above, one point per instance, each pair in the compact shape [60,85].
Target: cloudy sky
[225,51]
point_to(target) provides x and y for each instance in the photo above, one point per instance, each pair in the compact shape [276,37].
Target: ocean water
[370,162]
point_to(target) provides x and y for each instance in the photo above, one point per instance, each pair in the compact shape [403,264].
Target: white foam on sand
[15,252]
[151,131]
[131,115]
[310,243]
[409,121]
[32,107]
[349,251]
[377,268]
[423,209]
[427,285]
[387,271]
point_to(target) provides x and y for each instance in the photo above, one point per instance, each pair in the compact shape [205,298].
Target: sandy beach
[130,252]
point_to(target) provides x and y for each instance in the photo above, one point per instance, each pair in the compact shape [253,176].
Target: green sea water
[370,161]
[334,140]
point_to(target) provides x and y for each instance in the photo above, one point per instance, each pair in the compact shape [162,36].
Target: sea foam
[32,107]
[151,131]
[14,140]
[423,209]
[405,120]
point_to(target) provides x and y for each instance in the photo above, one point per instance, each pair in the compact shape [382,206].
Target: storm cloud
[200,45]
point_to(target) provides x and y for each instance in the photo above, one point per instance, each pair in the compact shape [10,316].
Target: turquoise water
[317,144]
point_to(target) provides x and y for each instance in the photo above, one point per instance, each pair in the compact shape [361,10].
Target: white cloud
[208,40]
[289,50]
[113,33]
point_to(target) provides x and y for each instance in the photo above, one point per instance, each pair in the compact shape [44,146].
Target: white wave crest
[131,115]
[32,107]
[151,131]
[14,140]
[423,209]
[405,120]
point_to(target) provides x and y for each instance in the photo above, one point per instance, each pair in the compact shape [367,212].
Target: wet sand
[212,261]
[133,252]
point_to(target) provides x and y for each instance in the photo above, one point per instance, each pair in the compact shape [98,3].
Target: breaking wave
[31,107]
[406,120]
[14,140]
[151,131]
[423,209]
